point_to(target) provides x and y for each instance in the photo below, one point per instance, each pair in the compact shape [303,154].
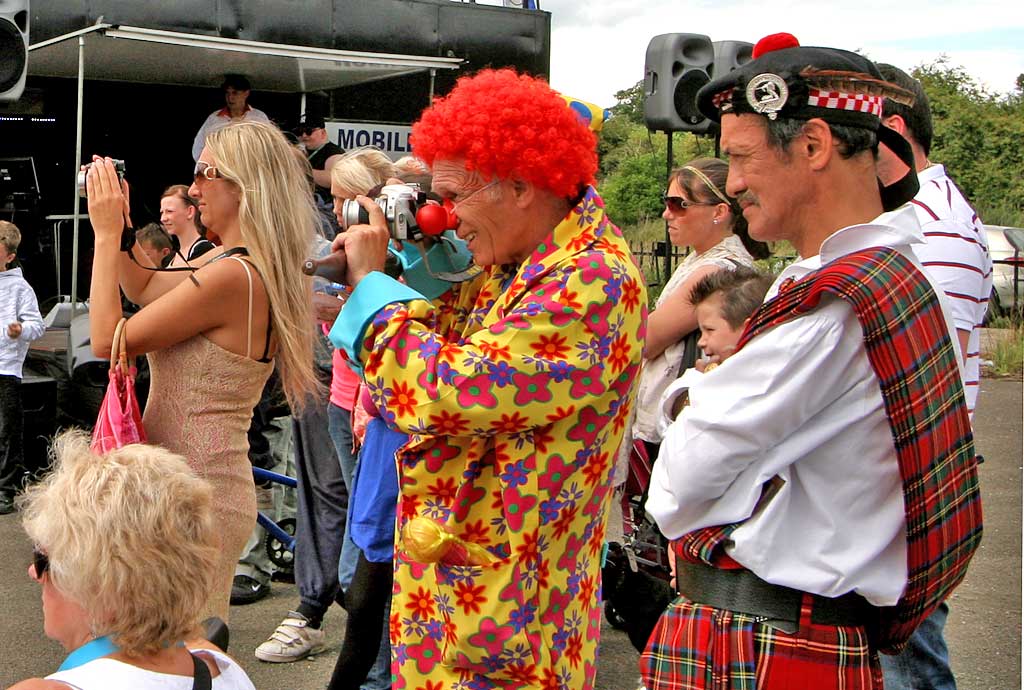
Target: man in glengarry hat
[821,488]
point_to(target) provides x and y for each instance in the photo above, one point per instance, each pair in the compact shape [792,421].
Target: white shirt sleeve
[32,326]
[200,141]
[717,455]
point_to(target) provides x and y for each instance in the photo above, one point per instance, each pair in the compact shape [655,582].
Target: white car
[1005,245]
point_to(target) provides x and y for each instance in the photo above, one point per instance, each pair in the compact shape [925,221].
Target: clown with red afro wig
[509,125]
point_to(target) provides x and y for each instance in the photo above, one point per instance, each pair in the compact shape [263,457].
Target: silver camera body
[118,166]
[399,203]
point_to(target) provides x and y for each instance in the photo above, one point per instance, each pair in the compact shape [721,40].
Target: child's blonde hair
[10,236]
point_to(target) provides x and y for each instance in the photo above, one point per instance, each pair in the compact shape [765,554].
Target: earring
[714,221]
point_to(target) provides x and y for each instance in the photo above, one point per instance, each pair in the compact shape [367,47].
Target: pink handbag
[120,420]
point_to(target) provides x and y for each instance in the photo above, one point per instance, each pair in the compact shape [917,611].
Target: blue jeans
[924,664]
[340,426]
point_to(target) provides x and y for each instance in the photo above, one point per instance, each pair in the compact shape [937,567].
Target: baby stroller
[636,572]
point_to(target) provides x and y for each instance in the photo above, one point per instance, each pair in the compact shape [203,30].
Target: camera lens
[353,214]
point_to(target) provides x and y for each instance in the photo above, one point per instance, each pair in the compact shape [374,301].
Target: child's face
[6,257]
[155,255]
[717,338]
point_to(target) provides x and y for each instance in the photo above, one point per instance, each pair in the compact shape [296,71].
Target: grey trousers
[321,511]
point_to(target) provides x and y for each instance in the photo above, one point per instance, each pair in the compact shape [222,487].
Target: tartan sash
[908,344]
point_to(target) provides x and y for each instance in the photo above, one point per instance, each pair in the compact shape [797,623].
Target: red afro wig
[505,124]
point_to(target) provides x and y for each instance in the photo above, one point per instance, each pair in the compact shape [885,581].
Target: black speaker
[13,48]
[677,65]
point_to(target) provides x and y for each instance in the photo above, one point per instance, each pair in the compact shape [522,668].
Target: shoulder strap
[248,336]
[201,674]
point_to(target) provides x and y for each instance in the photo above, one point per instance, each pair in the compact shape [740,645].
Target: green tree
[977,137]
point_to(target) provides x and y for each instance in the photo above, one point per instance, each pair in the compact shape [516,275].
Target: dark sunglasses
[205,170]
[306,131]
[40,562]
[677,204]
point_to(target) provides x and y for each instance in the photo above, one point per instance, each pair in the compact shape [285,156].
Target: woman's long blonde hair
[277,219]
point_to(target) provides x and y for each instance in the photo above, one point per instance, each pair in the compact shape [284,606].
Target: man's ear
[523,191]
[896,122]
[817,144]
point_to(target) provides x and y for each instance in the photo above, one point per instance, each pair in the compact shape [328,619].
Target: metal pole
[74,170]
[433,76]
[668,176]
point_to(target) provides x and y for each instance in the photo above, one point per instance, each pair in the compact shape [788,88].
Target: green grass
[1006,352]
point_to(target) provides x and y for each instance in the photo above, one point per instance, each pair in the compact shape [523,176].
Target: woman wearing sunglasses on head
[244,308]
[701,216]
[125,546]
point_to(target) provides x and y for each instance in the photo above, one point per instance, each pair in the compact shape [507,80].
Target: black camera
[118,166]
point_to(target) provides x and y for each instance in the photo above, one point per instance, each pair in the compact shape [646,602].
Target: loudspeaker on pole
[14,20]
[675,68]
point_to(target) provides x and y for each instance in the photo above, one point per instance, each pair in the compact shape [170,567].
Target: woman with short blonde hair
[125,547]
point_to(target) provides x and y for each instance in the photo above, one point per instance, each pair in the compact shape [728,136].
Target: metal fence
[651,258]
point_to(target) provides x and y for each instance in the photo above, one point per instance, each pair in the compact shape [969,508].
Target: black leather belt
[744,592]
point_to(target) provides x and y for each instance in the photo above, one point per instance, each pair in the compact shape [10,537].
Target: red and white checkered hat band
[860,102]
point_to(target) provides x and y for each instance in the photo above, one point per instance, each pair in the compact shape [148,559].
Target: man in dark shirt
[322,153]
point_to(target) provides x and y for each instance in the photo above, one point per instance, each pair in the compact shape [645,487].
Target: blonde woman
[213,336]
[124,547]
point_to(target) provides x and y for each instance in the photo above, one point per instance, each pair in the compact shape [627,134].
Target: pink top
[344,382]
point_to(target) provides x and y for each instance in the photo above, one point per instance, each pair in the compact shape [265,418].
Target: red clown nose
[434,219]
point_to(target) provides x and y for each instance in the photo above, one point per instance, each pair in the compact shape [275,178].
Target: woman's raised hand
[107,198]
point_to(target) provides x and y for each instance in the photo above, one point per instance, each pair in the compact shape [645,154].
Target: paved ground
[984,628]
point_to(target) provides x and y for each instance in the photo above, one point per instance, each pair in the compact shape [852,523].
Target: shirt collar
[891,229]
[224,112]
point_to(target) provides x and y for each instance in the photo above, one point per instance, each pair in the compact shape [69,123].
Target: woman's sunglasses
[677,204]
[207,171]
[40,563]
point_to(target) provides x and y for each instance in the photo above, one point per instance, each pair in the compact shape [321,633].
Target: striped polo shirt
[956,254]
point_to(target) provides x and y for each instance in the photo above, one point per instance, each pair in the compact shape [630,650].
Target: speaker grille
[12,55]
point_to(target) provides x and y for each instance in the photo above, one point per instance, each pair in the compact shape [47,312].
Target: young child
[156,243]
[723,301]
[20,323]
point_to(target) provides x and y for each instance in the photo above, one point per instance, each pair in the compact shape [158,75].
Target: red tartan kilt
[697,647]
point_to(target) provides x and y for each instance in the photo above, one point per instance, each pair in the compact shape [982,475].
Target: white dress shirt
[802,403]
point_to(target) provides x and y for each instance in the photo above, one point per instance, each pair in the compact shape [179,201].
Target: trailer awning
[153,56]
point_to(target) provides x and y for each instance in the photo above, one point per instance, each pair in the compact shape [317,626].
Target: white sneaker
[293,640]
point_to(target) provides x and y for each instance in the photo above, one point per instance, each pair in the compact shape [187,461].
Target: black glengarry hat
[789,81]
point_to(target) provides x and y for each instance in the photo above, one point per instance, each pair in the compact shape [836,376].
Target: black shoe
[7,505]
[248,590]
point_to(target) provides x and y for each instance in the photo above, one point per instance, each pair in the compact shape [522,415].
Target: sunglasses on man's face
[206,171]
[305,131]
[677,204]
[40,563]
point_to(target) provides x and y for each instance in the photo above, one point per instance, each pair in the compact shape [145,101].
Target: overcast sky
[598,47]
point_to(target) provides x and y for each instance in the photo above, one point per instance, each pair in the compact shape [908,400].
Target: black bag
[634,598]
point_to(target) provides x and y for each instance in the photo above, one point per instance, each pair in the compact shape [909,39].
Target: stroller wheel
[613,617]
[278,552]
